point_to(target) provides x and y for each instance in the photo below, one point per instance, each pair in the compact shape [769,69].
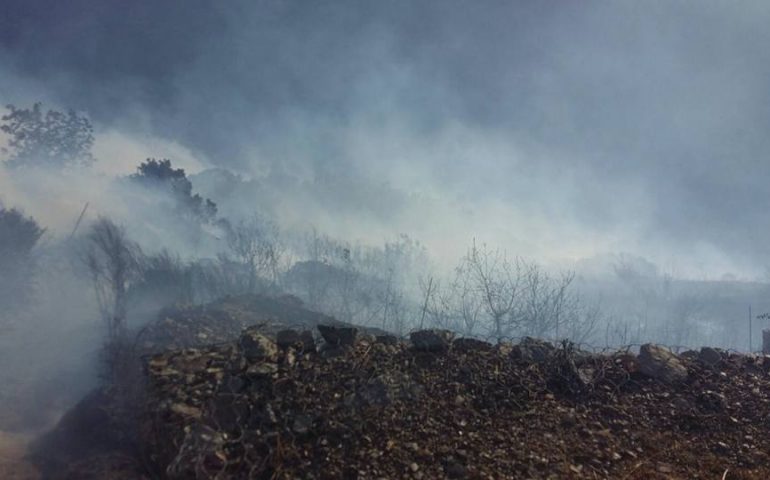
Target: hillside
[383,410]
[336,402]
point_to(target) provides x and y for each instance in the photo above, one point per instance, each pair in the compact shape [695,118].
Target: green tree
[18,237]
[161,175]
[47,139]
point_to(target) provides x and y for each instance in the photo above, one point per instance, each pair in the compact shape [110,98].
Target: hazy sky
[557,129]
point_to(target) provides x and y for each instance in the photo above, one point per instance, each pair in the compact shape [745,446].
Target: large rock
[387,339]
[257,347]
[301,340]
[532,350]
[471,345]
[690,355]
[661,363]
[223,321]
[710,356]
[431,340]
[338,336]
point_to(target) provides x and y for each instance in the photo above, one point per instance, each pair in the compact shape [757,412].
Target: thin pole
[750,328]
[425,305]
[80,219]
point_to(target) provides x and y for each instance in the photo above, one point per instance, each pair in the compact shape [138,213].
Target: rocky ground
[381,408]
[330,401]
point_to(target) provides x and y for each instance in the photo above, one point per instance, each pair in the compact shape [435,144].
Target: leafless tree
[490,292]
[465,302]
[496,280]
[255,244]
[112,261]
[315,276]
[545,301]
[579,318]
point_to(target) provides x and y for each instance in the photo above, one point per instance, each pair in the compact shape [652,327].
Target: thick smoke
[560,131]
[566,135]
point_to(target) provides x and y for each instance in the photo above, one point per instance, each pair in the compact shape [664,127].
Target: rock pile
[438,407]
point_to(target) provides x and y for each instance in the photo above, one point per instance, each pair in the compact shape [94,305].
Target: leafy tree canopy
[47,139]
[18,237]
[161,174]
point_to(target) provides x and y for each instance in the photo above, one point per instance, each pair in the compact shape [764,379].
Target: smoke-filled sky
[558,130]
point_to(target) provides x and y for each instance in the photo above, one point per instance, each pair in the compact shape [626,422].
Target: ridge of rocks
[438,407]
[289,393]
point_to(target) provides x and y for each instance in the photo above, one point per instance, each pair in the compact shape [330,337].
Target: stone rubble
[438,407]
[269,395]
